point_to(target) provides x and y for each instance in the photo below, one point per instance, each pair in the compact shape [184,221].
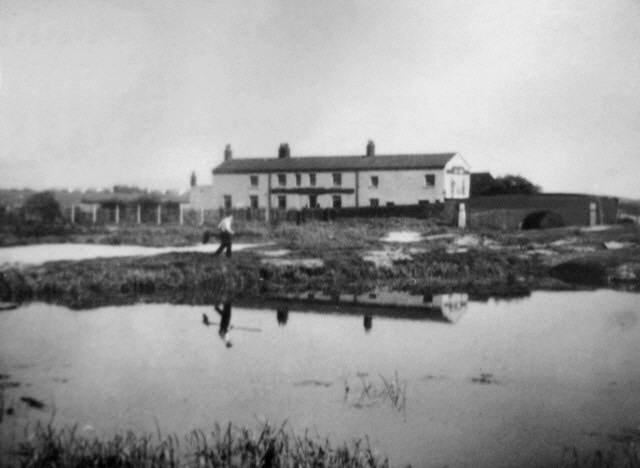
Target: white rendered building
[287,182]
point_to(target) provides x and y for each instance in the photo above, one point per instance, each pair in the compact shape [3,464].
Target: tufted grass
[228,446]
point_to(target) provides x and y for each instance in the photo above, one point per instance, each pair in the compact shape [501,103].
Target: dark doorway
[542,220]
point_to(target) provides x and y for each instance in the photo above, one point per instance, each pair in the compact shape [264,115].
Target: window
[337,201]
[227,202]
[253,199]
[313,201]
[423,202]
[312,180]
[374,202]
[282,201]
[374,181]
[430,180]
[337,179]
[390,203]
[298,180]
[254,180]
[282,179]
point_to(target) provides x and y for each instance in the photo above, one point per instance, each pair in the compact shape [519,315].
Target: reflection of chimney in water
[368,323]
[282,315]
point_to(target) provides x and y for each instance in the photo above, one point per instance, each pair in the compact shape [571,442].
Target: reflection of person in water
[225,321]
[282,315]
[368,322]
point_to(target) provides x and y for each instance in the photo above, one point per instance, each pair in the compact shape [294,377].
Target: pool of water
[40,253]
[504,383]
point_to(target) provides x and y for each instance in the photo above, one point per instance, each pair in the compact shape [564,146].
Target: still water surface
[40,253]
[561,369]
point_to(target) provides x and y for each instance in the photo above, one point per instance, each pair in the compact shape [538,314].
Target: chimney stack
[193,179]
[284,151]
[228,153]
[371,148]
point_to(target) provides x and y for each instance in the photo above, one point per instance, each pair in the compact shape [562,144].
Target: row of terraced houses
[369,179]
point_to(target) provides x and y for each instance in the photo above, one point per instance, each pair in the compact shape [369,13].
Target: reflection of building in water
[446,308]
[282,315]
[453,305]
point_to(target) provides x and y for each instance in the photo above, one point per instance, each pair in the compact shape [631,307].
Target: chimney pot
[371,148]
[228,154]
[284,151]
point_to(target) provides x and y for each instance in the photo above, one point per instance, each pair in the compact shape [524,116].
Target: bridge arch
[542,220]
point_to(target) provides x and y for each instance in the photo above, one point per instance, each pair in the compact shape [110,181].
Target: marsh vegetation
[230,446]
[482,264]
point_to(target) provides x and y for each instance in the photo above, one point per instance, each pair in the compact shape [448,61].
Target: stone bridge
[540,211]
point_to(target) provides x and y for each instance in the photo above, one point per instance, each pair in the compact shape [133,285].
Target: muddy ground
[344,257]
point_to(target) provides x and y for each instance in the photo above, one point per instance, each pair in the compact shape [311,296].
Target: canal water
[40,253]
[497,383]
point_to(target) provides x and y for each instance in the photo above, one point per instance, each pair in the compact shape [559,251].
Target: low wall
[444,212]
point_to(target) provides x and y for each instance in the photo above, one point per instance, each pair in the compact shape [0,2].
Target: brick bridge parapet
[510,212]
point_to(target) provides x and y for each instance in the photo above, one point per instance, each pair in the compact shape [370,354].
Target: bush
[42,208]
[510,185]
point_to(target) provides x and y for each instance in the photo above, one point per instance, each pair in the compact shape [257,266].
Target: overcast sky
[97,93]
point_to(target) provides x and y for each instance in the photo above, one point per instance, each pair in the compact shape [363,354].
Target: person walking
[225,235]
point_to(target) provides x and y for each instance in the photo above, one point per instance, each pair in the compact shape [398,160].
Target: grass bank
[197,278]
[444,260]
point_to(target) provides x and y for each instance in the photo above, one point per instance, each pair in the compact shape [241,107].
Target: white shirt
[225,224]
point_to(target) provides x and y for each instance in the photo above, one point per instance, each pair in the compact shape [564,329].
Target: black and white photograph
[320,233]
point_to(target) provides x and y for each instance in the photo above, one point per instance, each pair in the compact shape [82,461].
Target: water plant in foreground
[623,452]
[229,446]
[624,455]
[391,390]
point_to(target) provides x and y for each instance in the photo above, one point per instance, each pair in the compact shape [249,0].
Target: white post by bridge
[592,214]
[462,216]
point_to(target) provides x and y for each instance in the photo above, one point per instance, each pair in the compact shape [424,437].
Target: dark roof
[334,163]
[132,198]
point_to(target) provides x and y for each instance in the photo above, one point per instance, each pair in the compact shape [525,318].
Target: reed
[623,455]
[228,446]
[388,390]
